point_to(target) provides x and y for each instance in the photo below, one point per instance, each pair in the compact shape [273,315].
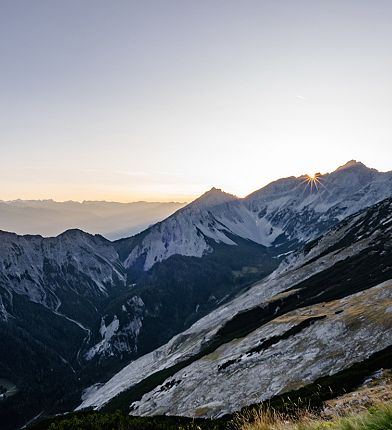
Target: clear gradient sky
[161,100]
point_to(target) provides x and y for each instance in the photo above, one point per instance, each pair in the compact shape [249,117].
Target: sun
[313,181]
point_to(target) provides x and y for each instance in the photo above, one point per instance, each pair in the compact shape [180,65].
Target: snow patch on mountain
[107,332]
[121,334]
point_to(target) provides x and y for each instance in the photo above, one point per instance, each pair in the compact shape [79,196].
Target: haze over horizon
[160,101]
[180,203]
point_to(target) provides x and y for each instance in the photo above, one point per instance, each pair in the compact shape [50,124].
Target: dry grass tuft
[376,418]
[260,419]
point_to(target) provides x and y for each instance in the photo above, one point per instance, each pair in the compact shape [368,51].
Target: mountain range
[110,219]
[288,211]
[243,285]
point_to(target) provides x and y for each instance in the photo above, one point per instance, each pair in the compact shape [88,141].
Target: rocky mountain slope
[322,311]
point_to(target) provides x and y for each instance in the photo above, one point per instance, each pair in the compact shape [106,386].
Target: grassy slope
[376,418]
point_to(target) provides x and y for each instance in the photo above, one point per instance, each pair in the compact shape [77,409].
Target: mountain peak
[214,196]
[73,233]
[350,164]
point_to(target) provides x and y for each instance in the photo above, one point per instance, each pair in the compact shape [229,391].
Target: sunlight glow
[313,181]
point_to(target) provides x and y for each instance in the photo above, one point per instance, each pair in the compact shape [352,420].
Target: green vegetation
[376,418]
[120,421]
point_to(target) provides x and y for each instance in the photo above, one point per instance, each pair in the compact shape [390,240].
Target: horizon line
[188,199]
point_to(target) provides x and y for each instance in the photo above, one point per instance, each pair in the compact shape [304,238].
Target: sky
[162,100]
